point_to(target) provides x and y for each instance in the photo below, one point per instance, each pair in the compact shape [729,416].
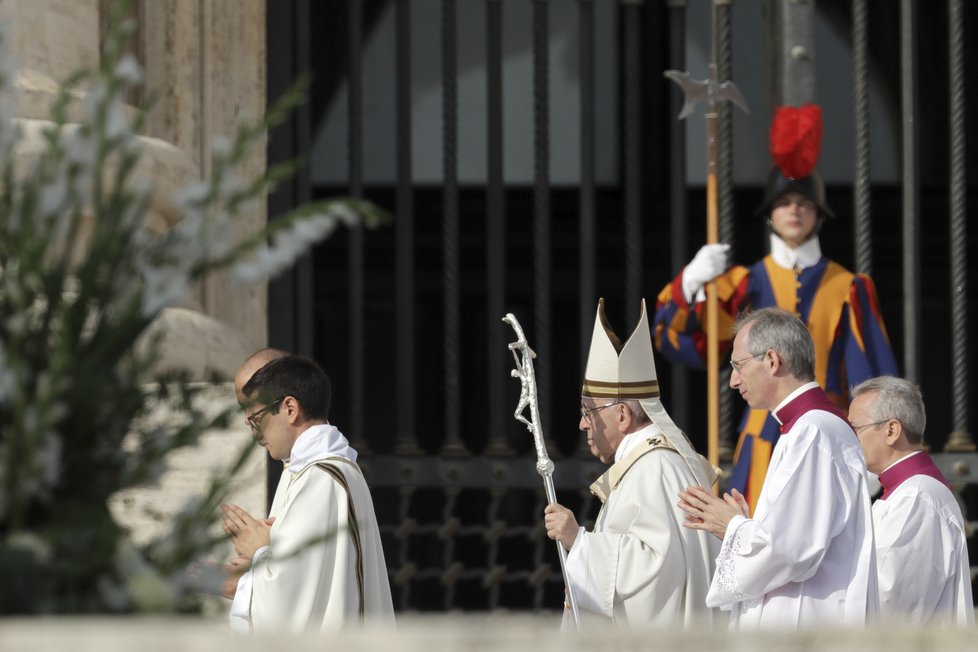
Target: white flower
[54,195]
[134,212]
[230,184]
[260,265]
[316,228]
[79,149]
[128,70]
[164,285]
[192,224]
[192,196]
[345,214]
[221,237]
[288,245]
[116,120]
[221,147]
[247,271]
[93,102]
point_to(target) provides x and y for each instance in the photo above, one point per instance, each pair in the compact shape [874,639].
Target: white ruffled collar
[801,258]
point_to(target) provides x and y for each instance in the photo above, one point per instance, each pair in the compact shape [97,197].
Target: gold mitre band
[630,390]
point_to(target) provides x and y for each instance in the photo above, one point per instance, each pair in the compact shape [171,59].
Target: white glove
[708,263]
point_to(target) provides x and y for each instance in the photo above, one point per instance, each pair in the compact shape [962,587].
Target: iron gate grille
[405,319]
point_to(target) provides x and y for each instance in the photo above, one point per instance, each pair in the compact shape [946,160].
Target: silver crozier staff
[523,355]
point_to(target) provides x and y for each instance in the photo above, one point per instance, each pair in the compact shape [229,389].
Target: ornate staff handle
[523,357]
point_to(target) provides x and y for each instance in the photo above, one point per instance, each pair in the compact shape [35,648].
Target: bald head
[248,368]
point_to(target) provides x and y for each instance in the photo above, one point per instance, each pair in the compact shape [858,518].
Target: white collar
[803,257]
[317,442]
[905,457]
[632,440]
[790,397]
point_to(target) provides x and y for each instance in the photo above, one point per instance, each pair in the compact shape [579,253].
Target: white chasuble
[921,548]
[324,567]
[806,558]
[640,567]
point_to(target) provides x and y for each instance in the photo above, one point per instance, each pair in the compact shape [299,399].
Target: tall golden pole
[712,91]
[712,322]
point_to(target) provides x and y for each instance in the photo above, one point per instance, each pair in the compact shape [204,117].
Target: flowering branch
[81,281]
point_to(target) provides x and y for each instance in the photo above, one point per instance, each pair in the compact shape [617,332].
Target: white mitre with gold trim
[622,372]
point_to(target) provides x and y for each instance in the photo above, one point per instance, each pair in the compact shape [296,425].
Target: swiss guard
[840,308]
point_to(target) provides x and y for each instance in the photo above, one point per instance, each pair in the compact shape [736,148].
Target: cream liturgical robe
[806,558]
[640,567]
[308,577]
[921,547]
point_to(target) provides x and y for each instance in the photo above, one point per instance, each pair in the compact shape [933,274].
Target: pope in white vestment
[806,558]
[638,567]
[325,566]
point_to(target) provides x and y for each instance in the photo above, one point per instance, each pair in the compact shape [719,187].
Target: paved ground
[448,633]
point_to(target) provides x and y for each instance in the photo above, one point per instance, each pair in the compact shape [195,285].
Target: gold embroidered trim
[354,525]
[631,390]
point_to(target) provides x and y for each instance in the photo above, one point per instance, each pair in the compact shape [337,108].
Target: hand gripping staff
[523,356]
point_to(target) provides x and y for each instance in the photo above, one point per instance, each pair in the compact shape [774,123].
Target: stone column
[205,62]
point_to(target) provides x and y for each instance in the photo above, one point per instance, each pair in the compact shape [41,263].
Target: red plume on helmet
[796,139]
[796,142]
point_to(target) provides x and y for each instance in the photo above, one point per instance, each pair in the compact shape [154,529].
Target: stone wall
[205,65]
[204,62]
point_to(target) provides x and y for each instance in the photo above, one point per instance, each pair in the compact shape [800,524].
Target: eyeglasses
[255,419]
[737,365]
[586,412]
[874,425]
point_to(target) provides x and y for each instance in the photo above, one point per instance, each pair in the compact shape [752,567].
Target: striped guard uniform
[842,313]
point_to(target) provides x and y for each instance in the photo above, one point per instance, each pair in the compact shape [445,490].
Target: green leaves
[82,278]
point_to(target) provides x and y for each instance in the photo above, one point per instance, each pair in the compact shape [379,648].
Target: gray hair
[638,412]
[774,329]
[896,399]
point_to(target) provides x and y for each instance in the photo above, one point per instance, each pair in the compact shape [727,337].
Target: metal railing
[460,506]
